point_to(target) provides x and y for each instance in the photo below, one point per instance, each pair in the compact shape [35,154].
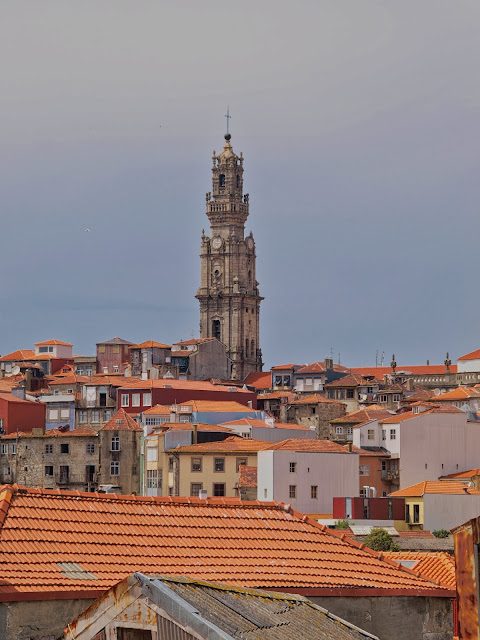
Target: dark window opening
[219,489]
[238,182]
[216,329]
[221,182]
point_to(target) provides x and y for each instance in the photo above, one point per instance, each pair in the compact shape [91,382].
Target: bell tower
[228,293]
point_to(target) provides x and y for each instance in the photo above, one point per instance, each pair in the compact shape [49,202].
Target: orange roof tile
[150,344]
[435,486]
[363,415]
[224,406]
[320,367]
[49,342]
[350,380]
[259,380]
[416,370]
[310,446]
[254,422]
[79,431]
[188,426]
[437,566]
[274,395]
[9,397]
[473,355]
[121,421]
[249,544]
[460,393]
[315,398]
[281,367]
[21,354]
[193,341]
[471,473]
[421,394]
[158,410]
[233,444]
[194,385]
[247,476]
[71,379]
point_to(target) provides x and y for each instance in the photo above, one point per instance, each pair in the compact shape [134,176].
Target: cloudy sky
[359,122]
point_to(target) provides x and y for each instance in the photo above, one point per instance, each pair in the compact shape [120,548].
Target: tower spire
[228,117]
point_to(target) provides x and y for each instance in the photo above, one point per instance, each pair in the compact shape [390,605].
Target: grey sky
[359,122]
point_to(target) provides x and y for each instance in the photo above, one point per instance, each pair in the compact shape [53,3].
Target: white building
[307,474]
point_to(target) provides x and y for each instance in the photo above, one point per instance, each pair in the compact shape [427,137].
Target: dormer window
[221,181]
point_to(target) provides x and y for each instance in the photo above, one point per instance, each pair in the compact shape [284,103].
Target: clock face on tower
[216,242]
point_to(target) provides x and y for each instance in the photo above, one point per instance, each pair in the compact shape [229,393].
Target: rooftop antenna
[228,117]
[383,358]
[331,353]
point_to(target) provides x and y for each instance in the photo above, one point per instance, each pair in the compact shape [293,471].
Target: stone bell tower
[228,293]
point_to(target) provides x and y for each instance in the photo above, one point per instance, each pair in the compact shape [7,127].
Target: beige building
[228,295]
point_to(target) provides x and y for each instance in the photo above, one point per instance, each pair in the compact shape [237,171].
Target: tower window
[238,182]
[246,348]
[216,329]
[252,348]
[221,182]
[249,278]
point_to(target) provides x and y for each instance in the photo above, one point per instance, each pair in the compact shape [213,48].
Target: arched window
[249,278]
[238,182]
[252,348]
[246,347]
[216,331]
[221,182]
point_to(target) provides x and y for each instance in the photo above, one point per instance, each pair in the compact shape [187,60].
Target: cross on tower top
[228,117]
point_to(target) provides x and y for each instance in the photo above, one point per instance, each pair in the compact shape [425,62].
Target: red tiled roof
[224,406]
[259,380]
[193,341]
[473,355]
[437,566]
[363,415]
[316,398]
[79,431]
[320,367]
[350,380]
[416,370]
[435,486]
[421,394]
[460,393]
[194,385]
[9,397]
[150,344]
[281,367]
[250,544]
[471,473]
[21,354]
[254,422]
[71,379]
[401,417]
[310,446]
[49,342]
[247,477]
[121,421]
[188,426]
[158,410]
[378,453]
[274,395]
[233,444]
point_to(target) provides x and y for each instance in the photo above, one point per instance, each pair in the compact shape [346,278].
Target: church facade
[228,295]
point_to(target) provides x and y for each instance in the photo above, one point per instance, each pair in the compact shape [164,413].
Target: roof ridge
[7,491]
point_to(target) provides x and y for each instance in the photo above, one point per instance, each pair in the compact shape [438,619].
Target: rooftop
[192,342]
[363,415]
[233,444]
[116,340]
[254,422]
[247,544]
[315,398]
[473,355]
[309,446]
[320,367]
[438,566]
[121,421]
[259,380]
[150,344]
[52,342]
[351,380]
[435,487]
[21,354]
[416,370]
[460,393]
[220,406]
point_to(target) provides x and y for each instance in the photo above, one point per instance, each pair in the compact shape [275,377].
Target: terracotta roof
[320,367]
[471,473]
[116,340]
[188,426]
[438,566]
[79,431]
[291,425]
[363,415]
[259,380]
[9,397]
[121,421]
[21,354]
[273,395]
[401,417]
[223,406]
[45,356]
[51,342]
[158,410]
[473,355]
[377,452]
[135,383]
[435,486]
[281,367]
[421,394]
[310,446]
[193,341]
[150,344]
[233,444]
[71,379]
[254,422]
[250,544]
[350,380]
[416,370]
[247,477]
[460,393]
[316,398]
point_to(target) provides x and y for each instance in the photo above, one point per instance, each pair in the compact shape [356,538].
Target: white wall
[335,474]
[467,366]
[446,512]
[277,435]
[360,435]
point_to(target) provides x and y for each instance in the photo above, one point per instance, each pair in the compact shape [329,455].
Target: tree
[380,540]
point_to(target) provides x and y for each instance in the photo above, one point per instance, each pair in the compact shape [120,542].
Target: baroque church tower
[228,293]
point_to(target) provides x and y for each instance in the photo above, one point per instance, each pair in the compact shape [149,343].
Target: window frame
[215,465]
[214,491]
[292,491]
[114,465]
[115,440]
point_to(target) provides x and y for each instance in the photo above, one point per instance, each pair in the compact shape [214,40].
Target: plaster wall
[447,512]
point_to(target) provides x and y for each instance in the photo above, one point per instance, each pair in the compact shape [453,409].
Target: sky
[360,130]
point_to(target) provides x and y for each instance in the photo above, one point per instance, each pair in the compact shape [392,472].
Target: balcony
[391,475]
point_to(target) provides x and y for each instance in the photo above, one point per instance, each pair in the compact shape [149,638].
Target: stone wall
[324,412]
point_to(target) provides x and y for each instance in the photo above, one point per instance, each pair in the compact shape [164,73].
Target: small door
[133,634]
[348,508]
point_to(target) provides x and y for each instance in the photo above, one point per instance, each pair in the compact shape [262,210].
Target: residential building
[470,477]
[79,545]
[54,459]
[269,429]
[113,355]
[246,488]
[228,294]
[364,510]
[376,471]
[119,442]
[354,390]
[17,414]
[282,377]
[202,358]
[141,607]
[60,409]
[431,376]
[470,363]
[389,396]
[311,378]
[276,403]
[52,355]
[342,428]
[465,398]
[212,466]
[306,473]
[85,365]
[316,411]
[9,361]
[434,505]
[151,359]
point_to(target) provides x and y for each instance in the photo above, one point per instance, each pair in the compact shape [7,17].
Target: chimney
[195,434]
[328,364]
[28,380]
[349,446]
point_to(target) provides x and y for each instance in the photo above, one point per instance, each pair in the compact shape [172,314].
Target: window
[115,444]
[101,348]
[64,447]
[7,471]
[65,414]
[216,329]
[107,414]
[134,470]
[49,448]
[364,469]
[152,479]
[416,513]
[135,399]
[151,454]
[89,371]
[292,491]
[147,399]
[384,465]
[195,488]
[114,468]
[116,348]
[80,371]
[95,416]
[349,431]
[371,434]
[384,434]
[240,461]
[14,448]
[219,489]
[49,470]
[383,399]
[219,465]
[82,416]
[314,491]
[393,434]
[53,414]
[312,411]
[221,181]
[4,449]
[90,448]
[293,467]
[407,513]
[115,368]
[170,463]
[396,397]
[338,430]
[125,400]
